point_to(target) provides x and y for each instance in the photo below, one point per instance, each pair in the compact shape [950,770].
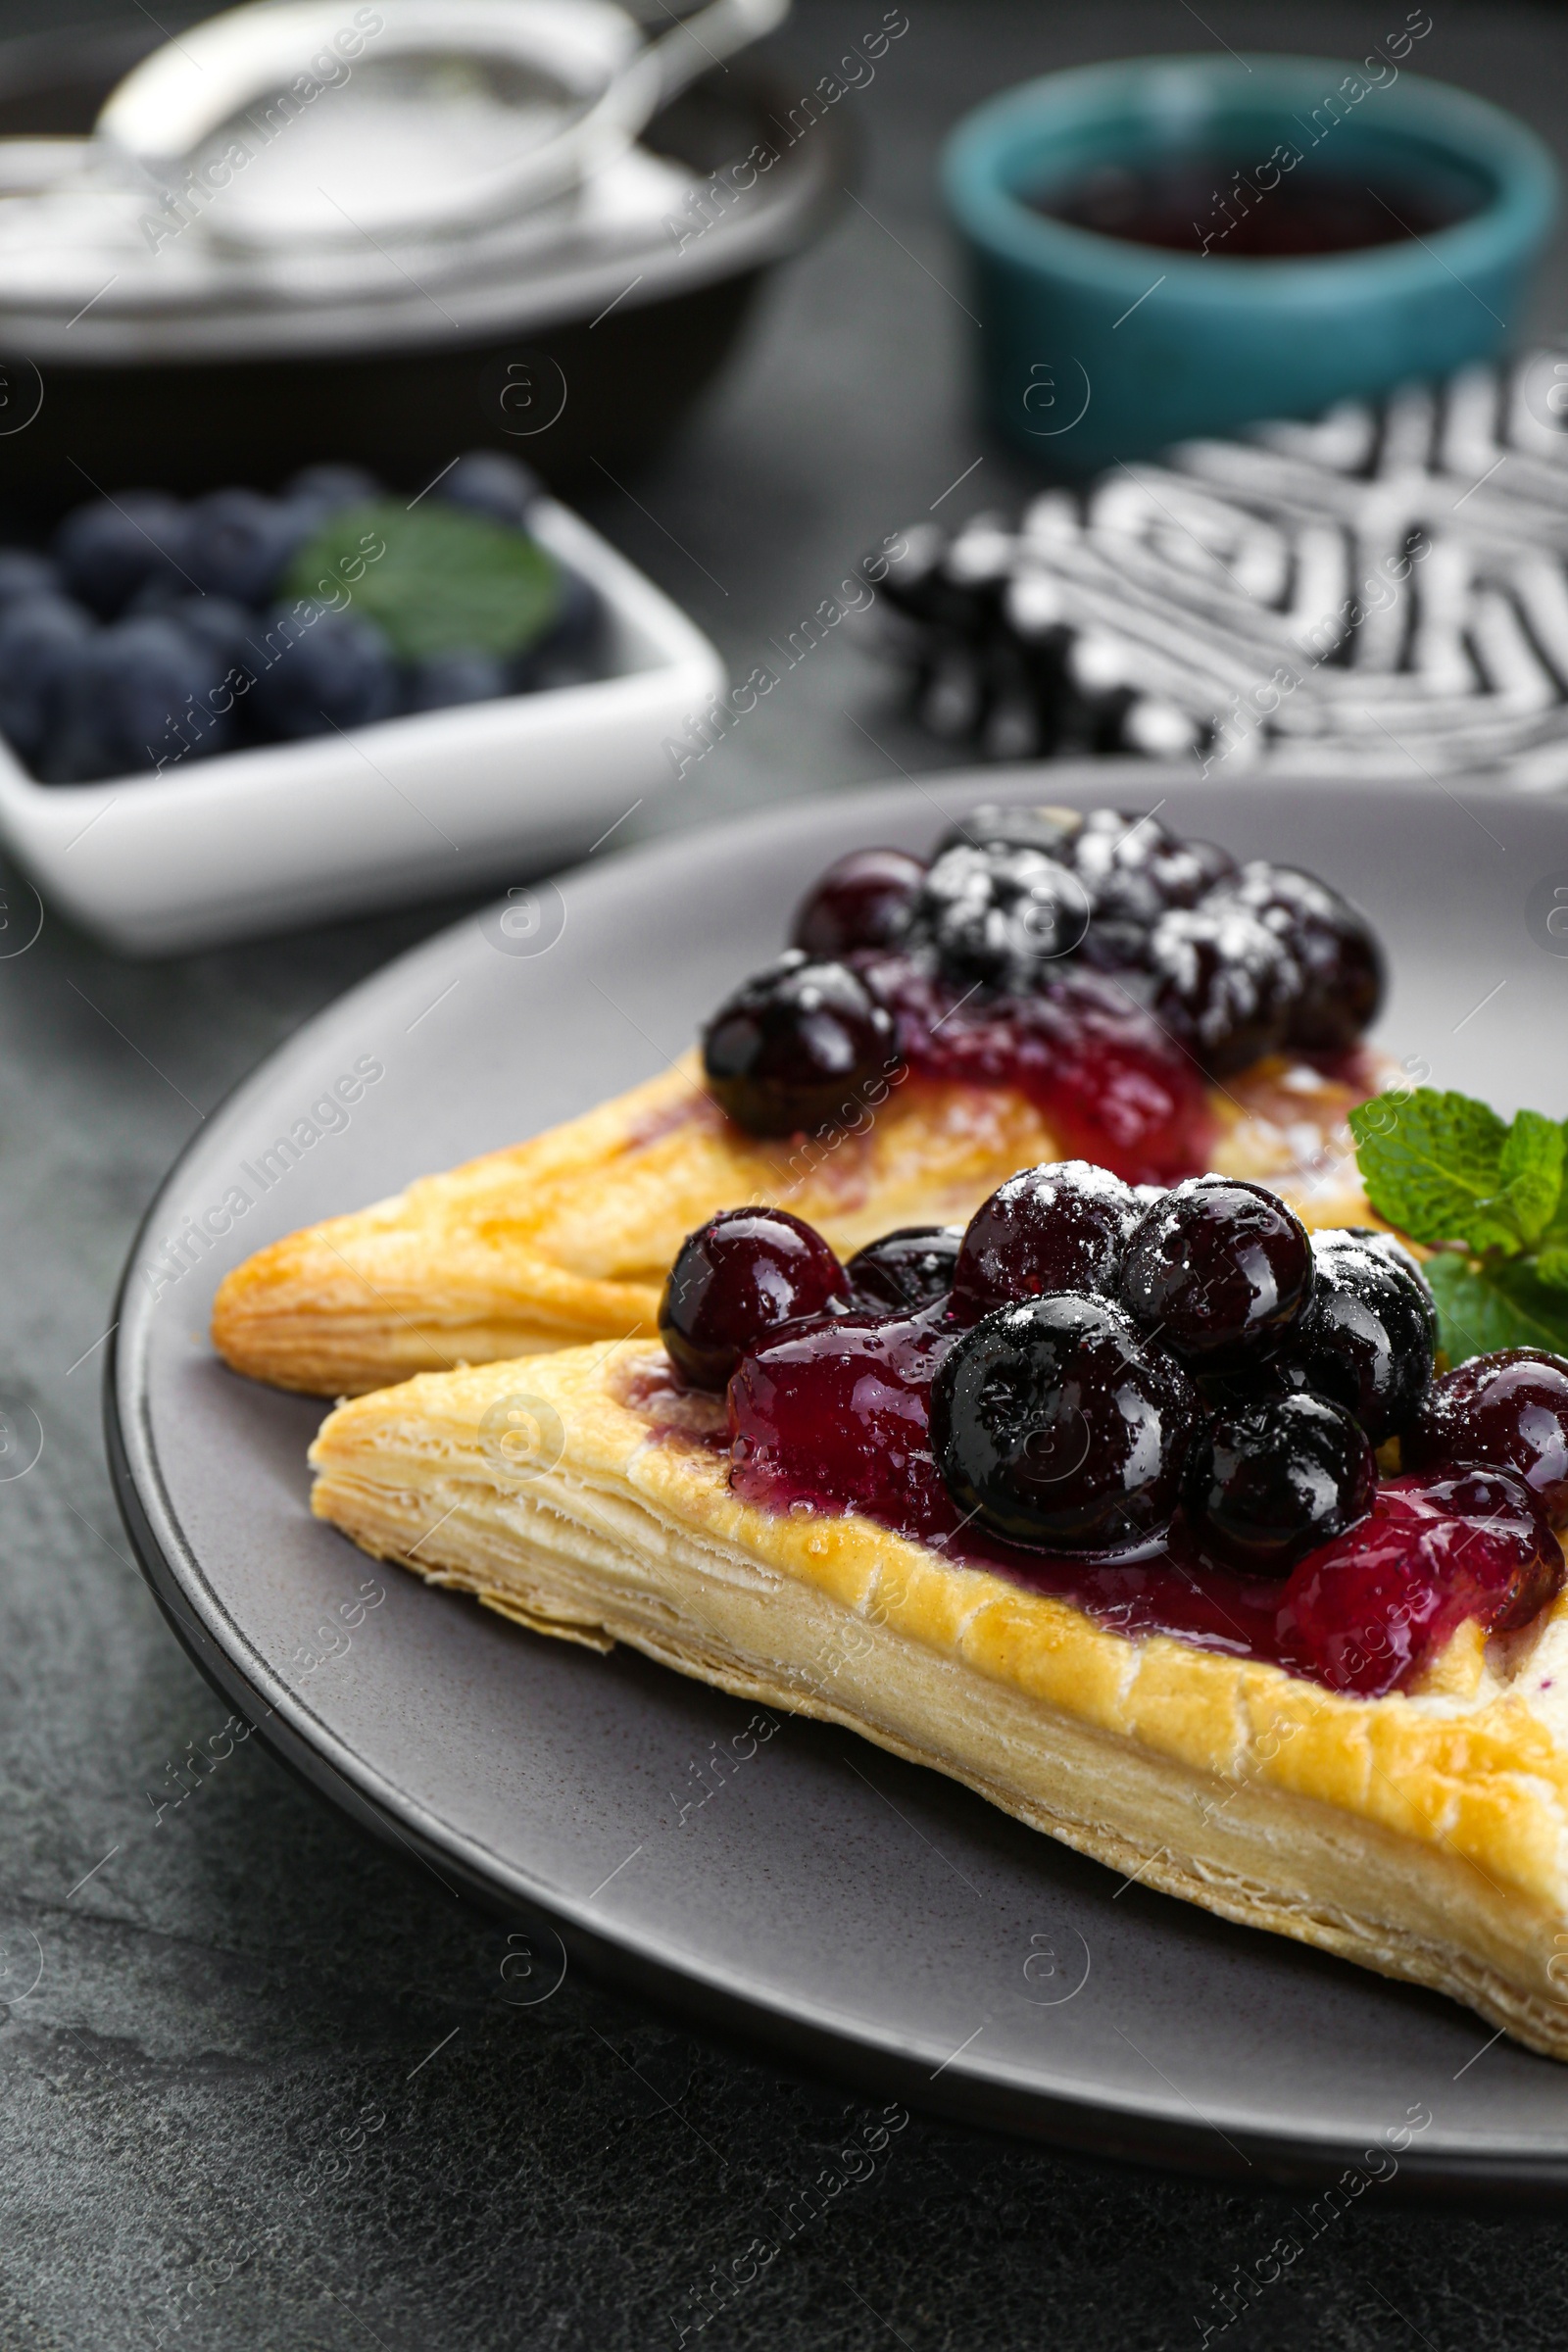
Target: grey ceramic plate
[868,1917]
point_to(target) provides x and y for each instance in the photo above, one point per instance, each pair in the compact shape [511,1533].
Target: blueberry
[40,642]
[25,574]
[335,670]
[489,482]
[318,492]
[108,548]
[1269,1484]
[735,1281]
[861,902]
[1060,1227]
[1136,871]
[1220,1269]
[801,1044]
[1368,1335]
[443,680]
[993,826]
[229,631]
[999,917]
[239,544]
[1059,1429]
[1225,985]
[905,1270]
[1333,948]
[143,694]
[568,652]
[1508,1409]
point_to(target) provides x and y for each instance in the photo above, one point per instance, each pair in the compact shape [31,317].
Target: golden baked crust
[569,1237]
[1422,1835]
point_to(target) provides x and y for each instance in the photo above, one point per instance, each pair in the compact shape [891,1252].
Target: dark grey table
[268,2089]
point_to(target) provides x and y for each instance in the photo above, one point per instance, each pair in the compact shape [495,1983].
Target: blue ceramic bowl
[1095,348]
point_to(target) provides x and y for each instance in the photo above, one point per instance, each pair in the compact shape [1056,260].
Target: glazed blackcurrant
[1366,1337]
[1387,1245]
[734,1281]
[1058,1429]
[1134,871]
[1333,948]
[1510,1409]
[1060,1227]
[907,1270]
[1267,1485]
[1051,831]
[861,902]
[1000,917]
[1225,985]
[1220,1270]
[802,1045]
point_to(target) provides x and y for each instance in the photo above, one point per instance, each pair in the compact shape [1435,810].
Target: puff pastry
[1422,1835]
[567,1238]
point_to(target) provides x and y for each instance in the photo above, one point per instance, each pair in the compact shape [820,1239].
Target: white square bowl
[280,835]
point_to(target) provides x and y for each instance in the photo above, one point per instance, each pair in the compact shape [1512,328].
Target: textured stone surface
[268,2087]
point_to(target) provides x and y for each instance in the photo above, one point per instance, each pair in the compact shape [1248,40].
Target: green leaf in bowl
[438,580]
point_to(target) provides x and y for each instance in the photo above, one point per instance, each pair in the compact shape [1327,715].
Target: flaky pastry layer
[569,1237]
[1423,1837]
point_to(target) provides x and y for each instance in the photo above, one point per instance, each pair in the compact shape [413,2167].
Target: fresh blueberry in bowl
[318,492]
[238,543]
[735,1282]
[1366,1337]
[862,900]
[1059,1429]
[144,694]
[108,548]
[489,482]
[441,681]
[802,1045]
[1266,1485]
[335,669]
[1509,1409]
[904,1271]
[1060,1227]
[1220,1271]
[999,917]
[41,640]
[25,573]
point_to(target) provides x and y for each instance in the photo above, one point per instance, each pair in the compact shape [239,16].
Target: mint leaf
[1432,1166]
[1531,1169]
[1484,1307]
[438,580]
[1551,1268]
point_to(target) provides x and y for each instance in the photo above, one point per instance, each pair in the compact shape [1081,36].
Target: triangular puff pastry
[1421,1836]
[568,1238]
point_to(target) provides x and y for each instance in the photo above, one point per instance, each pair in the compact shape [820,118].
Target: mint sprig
[439,580]
[1488,1196]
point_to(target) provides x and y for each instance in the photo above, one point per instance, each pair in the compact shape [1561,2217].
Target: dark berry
[318,492]
[736,1280]
[800,1045]
[1054,1424]
[1366,1337]
[238,543]
[1387,1245]
[1510,1409]
[1267,1484]
[1136,871]
[1060,1227]
[993,827]
[861,902]
[145,694]
[566,651]
[225,628]
[108,548]
[834,1413]
[905,1270]
[24,575]
[489,482]
[1220,1270]
[41,641]
[332,670]
[1000,917]
[1333,948]
[443,680]
[1225,984]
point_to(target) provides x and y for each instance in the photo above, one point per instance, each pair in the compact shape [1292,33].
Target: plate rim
[1146,2130]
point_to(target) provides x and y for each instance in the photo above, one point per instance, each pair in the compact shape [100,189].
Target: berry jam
[1113,1086]
[834,1416]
